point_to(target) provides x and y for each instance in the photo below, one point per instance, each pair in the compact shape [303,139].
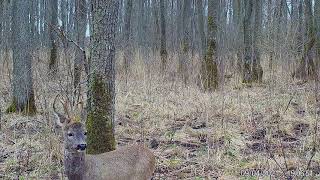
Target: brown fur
[134,162]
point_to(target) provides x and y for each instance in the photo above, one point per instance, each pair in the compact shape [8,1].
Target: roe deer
[128,163]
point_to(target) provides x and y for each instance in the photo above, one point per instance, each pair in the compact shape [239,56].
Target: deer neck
[74,165]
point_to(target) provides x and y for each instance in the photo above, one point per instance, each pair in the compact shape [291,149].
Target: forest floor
[262,131]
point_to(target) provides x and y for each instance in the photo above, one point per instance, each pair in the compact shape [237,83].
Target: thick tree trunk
[53,62]
[156,27]
[210,78]
[200,12]
[247,75]
[306,68]
[238,21]
[101,100]
[163,47]
[257,71]
[185,43]
[23,94]
[81,26]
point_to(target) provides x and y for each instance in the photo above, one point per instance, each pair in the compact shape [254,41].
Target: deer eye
[70,134]
[85,133]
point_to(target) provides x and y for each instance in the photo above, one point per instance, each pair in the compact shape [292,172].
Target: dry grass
[223,134]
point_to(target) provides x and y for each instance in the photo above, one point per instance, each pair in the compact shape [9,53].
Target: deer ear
[62,120]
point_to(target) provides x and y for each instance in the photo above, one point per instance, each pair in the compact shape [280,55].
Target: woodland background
[219,89]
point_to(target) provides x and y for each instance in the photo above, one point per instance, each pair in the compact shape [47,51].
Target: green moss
[12,107]
[28,109]
[99,121]
[209,68]
[211,25]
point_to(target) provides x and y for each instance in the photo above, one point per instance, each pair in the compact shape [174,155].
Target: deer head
[74,132]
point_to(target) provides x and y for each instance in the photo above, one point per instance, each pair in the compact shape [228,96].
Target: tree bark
[127,40]
[163,47]
[23,94]
[101,100]
[53,62]
[81,26]
[247,75]
[185,43]
[317,35]
[306,68]
[257,71]
[210,78]
[200,12]
[238,22]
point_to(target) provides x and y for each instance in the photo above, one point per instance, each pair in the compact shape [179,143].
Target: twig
[274,159]
[288,105]
[63,35]
[309,162]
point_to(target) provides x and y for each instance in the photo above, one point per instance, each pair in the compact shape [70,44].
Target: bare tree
[101,100]
[163,47]
[126,37]
[257,70]
[210,78]
[185,42]
[200,12]
[247,76]
[80,26]
[306,68]
[53,16]
[317,25]
[238,26]
[23,94]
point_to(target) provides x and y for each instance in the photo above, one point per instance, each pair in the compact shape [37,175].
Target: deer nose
[81,147]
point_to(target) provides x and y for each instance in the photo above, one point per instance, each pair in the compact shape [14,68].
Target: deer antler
[65,107]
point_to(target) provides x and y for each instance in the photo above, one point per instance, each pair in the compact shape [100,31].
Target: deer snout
[81,147]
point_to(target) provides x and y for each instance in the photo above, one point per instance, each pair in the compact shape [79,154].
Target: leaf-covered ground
[261,131]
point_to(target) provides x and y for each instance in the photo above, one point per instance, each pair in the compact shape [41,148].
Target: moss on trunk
[210,69]
[99,121]
[28,108]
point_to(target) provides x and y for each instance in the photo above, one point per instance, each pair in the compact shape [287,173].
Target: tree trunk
[23,94]
[210,78]
[163,47]
[200,12]
[127,40]
[1,25]
[238,22]
[271,33]
[257,71]
[247,75]
[156,27]
[81,26]
[101,100]
[64,20]
[317,35]
[53,62]
[306,68]
[185,43]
